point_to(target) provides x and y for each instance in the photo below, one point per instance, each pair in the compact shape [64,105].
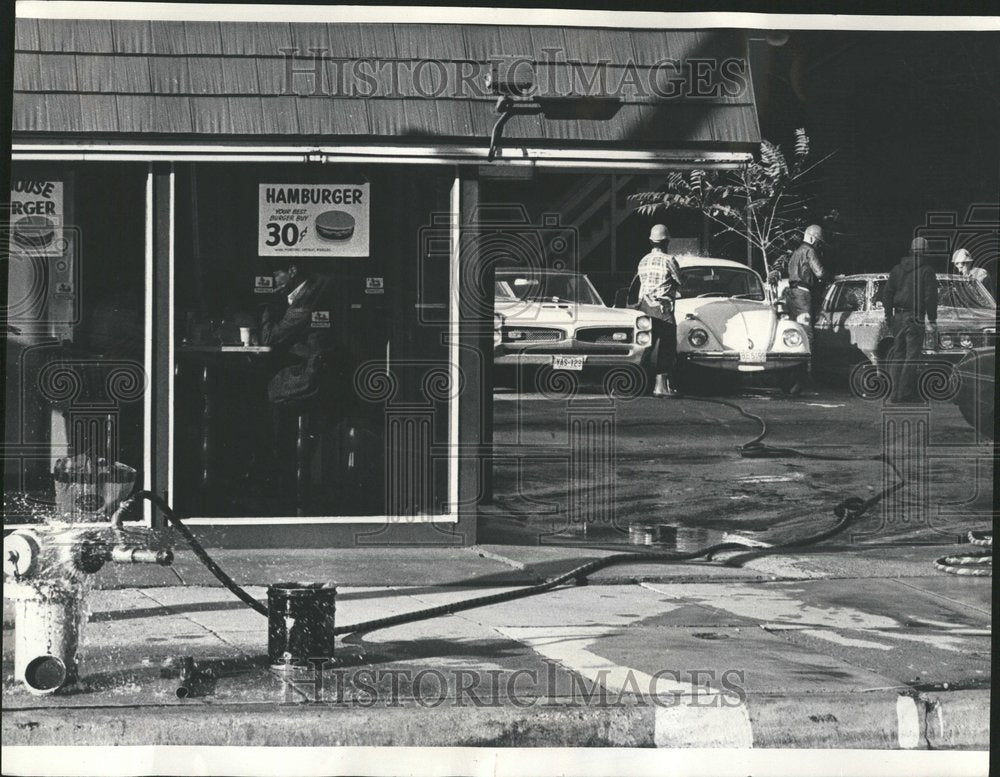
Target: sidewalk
[842,647]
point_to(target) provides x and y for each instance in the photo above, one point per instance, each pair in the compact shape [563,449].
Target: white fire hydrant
[46,568]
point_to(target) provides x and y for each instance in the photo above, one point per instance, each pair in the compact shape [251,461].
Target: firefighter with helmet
[806,276]
[660,280]
[962,260]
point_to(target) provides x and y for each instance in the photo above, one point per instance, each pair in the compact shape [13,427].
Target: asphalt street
[587,467]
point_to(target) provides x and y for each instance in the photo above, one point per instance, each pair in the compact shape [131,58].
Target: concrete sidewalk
[848,647]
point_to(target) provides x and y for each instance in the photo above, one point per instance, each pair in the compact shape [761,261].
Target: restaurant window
[74,317]
[343,412]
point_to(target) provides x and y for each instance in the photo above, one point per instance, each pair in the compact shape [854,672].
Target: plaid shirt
[659,277]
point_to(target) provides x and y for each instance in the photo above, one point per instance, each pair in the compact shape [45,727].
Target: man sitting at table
[299,328]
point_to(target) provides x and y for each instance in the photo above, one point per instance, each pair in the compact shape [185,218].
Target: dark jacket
[912,286]
[304,332]
[804,267]
[298,330]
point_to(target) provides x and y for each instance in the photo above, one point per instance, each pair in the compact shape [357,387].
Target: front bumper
[730,360]
[598,354]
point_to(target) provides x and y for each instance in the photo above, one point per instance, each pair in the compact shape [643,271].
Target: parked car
[976,396]
[851,330]
[556,318]
[726,327]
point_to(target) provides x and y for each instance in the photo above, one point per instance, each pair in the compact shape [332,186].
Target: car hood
[739,324]
[564,314]
[970,316]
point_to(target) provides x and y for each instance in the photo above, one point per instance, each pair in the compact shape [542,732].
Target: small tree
[766,202]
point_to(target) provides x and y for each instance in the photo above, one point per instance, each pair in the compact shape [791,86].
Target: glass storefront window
[76,376]
[333,407]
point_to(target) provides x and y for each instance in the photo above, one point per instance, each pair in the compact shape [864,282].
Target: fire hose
[847,512]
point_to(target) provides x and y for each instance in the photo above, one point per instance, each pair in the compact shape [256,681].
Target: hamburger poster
[302,219]
[36,217]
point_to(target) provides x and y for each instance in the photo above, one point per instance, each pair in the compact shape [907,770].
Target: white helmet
[813,235]
[961,256]
[658,234]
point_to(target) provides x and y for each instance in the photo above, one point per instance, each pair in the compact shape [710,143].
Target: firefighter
[910,299]
[660,280]
[805,278]
[962,260]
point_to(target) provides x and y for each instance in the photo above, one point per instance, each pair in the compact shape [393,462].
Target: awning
[413,84]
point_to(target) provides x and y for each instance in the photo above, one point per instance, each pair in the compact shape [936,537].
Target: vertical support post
[159,326]
[473,284]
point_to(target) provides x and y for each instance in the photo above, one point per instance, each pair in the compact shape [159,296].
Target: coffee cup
[245,337]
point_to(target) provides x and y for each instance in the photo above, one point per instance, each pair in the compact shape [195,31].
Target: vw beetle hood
[738,324]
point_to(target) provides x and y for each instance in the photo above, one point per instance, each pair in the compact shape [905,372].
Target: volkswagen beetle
[726,327]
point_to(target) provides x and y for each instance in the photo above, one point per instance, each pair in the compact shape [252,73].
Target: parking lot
[585,467]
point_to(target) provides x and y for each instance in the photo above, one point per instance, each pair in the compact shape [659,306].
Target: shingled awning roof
[124,79]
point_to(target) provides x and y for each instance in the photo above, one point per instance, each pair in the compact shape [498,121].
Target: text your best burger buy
[45,206]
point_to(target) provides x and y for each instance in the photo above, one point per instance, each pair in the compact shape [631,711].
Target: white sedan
[556,318]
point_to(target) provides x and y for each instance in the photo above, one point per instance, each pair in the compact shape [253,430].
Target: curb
[947,720]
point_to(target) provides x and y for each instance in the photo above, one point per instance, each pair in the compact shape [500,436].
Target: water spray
[48,567]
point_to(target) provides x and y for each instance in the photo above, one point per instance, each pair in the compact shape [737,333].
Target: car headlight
[792,338]
[643,338]
[946,341]
[697,337]
[644,323]
[965,341]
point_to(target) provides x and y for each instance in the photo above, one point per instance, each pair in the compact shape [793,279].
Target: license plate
[568,362]
[753,357]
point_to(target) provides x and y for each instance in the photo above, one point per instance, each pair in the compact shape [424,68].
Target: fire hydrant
[46,569]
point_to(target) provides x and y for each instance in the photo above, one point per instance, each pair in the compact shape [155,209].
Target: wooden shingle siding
[442,41]
[131,37]
[98,113]
[232,79]
[239,76]
[112,74]
[26,73]
[323,116]
[26,35]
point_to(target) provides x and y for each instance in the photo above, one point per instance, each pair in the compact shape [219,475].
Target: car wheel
[980,418]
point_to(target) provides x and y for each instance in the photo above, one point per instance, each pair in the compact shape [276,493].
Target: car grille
[980,339]
[605,334]
[531,335]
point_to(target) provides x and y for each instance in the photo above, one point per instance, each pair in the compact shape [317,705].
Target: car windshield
[955,293]
[546,287]
[720,282]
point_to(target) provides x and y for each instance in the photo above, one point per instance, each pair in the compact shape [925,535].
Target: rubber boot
[662,387]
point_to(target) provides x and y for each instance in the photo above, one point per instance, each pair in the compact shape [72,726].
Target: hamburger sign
[36,217]
[313,219]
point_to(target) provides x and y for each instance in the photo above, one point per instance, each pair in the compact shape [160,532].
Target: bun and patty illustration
[34,231]
[335,225]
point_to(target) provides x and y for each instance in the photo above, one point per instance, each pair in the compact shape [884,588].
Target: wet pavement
[856,642]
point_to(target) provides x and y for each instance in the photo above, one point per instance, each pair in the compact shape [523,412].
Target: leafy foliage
[766,202]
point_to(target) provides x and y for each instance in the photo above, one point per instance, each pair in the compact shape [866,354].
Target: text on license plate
[753,357]
[568,362]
